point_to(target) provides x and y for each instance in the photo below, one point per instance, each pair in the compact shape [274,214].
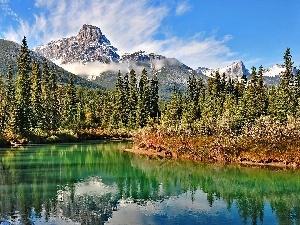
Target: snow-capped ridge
[234,70]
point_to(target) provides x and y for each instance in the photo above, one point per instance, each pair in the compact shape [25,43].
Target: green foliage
[38,102]
[23,103]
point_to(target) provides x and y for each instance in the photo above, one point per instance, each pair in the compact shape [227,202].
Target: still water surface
[98,183]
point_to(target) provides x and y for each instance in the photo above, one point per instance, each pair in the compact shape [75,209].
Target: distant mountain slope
[91,55]
[9,52]
[170,72]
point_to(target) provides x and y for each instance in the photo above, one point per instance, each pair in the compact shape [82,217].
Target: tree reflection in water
[88,184]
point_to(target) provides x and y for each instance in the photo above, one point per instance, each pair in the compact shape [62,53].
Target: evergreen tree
[10,118]
[117,115]
[70,104]
[36,96]
[126,94]
[285,102]
[23,104]
[54,115]
[81,117]
[172,114]
[254,101]
[143,107]
[201,99]
[213,106]
[133,99]
[3,105]
[46,96]
[154,97]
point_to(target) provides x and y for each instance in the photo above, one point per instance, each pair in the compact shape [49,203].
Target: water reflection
[95,183]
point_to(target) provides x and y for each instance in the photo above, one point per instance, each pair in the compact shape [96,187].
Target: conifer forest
[218,119]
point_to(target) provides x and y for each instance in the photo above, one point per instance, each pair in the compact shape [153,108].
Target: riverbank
[263,148]
[274,162]
[65,136]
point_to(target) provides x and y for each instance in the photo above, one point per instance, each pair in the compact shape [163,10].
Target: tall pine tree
[23,103]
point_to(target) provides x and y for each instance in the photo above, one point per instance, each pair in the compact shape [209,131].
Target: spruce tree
[70,104]
[154,97]
[143,107]
[3,105]
[46,96]
[54,115]
[117,115]
[133,99]
[126,105]
[172,114]
[23,104]
[10,118]
[36,96]
[254,99]
[285,103]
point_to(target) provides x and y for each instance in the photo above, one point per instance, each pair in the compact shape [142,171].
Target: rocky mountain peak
[89,45]
[92,34]
[234,70]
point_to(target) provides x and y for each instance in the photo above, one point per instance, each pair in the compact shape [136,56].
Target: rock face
[89,45]
[234,70]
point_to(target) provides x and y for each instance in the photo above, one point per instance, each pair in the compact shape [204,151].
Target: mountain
[9,52]
[92,56]
[234,70]
[170,72]
[237,69]
[88,46]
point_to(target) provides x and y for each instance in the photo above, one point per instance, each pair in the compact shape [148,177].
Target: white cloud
[7,11]
[129,25]
[182,7]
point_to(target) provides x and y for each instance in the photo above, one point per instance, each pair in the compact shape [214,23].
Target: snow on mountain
[276,70]
[234,70]
[91,55]
[273,70]
[88,46]
[237,69]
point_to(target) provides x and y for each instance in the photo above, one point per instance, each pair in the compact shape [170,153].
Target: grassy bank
[63,136]
[263,142]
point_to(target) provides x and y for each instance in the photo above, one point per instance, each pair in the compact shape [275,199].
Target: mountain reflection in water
[97,183]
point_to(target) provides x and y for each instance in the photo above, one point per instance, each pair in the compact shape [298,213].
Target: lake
[98,183]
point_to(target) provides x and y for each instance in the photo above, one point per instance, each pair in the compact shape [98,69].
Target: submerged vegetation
[221,119]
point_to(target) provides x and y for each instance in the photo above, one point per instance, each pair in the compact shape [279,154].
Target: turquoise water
[98,183]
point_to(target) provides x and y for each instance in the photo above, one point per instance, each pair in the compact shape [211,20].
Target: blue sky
[210,33]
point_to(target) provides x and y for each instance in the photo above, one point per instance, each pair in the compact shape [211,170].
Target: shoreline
[243,162]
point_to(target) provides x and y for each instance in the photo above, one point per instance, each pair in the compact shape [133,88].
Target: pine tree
[54,115]
[117,115]
[254,101]
[70,104]
[154,108]
[23,104]
[172,114]
[201,99]
[126,105]
[213,105]
[10,118]
[133,99]
[285,103]
[46,96]
[143,107]
[36,96]
[81,102]
[3,105]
